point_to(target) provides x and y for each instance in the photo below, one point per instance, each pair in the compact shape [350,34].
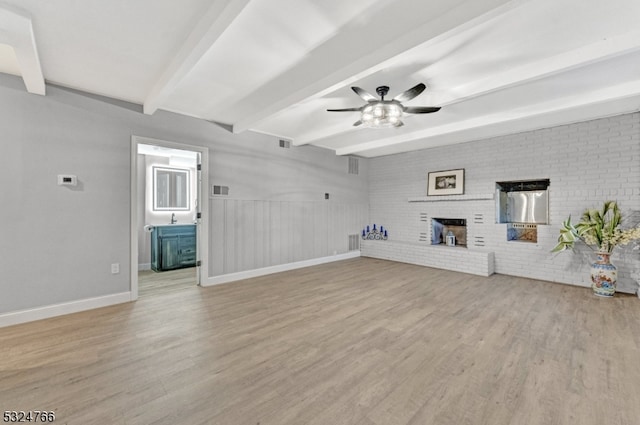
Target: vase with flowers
[599,229]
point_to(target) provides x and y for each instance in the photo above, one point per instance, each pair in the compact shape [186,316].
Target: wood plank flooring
[358,342]
[152,283]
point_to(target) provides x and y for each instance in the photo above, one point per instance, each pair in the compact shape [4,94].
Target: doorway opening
[168,231]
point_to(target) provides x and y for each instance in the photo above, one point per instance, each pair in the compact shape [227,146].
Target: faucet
[173,218]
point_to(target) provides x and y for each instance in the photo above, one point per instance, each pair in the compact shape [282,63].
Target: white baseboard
[29,315]
[232,277]
[145,266]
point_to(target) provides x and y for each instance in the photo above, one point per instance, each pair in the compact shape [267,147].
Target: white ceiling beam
[620,92]
[362,47]
[16,30]
[601,50]
[544,119]
[593,53]
[210,27]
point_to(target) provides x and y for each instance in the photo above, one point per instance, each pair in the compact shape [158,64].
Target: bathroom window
[170,189]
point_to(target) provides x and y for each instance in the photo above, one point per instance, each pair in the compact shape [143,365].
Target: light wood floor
[153,283]
[359,342]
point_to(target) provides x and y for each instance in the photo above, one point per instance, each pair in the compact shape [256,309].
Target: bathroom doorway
[168,231]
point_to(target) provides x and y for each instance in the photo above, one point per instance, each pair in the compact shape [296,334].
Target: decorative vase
[603,276]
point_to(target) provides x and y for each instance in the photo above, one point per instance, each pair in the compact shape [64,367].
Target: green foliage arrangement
[599,228]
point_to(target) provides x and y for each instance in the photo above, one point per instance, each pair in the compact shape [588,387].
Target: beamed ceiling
[494,66]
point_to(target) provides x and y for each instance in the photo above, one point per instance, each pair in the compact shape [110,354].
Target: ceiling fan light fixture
[386,113]
[382,115]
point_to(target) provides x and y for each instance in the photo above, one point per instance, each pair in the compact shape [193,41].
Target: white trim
[232,277]
[466,197]
[145,266]
[133,220]
[32,314]
[203,199]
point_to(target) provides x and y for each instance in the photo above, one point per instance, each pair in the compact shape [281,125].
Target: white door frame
[203,201]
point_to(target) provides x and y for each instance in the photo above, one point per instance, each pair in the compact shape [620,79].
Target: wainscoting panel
[253,234]
[217,235]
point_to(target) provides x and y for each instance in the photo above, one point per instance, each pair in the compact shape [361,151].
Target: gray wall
[58,243]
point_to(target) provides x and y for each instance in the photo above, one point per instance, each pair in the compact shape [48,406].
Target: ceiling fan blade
[411,93]
[357,123]
[368,97]
[420,109]
[344,110]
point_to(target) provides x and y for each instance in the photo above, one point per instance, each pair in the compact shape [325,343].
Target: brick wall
[476,261]
[587,163]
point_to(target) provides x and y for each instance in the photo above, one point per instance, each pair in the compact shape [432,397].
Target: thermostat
[67,180]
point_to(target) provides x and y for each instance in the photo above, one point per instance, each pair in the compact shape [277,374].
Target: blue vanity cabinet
[173,247]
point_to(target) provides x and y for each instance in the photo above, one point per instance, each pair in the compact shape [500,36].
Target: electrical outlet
[115,268]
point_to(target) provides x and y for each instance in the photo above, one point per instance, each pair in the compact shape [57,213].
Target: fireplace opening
[440,228]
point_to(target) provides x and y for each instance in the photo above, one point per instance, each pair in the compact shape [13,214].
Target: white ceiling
[274,66]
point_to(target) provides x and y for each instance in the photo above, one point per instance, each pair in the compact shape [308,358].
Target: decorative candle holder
[374,234]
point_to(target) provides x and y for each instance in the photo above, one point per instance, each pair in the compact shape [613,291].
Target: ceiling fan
[379,113]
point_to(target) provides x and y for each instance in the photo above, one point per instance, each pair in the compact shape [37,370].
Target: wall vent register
[423,235]
[219,190]
[354,242]
[354,165]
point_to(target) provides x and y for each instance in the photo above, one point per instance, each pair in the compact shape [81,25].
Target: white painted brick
[587,163]
[459,259]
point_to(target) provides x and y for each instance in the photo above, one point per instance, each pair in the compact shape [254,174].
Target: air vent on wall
[353,165]
[424,235]
[219,190]
[354,242]
[478,218]
[478,241]
[285,144]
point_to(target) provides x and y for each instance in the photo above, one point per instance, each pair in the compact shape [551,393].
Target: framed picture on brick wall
[450,182]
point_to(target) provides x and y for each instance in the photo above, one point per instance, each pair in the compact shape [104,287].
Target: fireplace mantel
[441,198]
